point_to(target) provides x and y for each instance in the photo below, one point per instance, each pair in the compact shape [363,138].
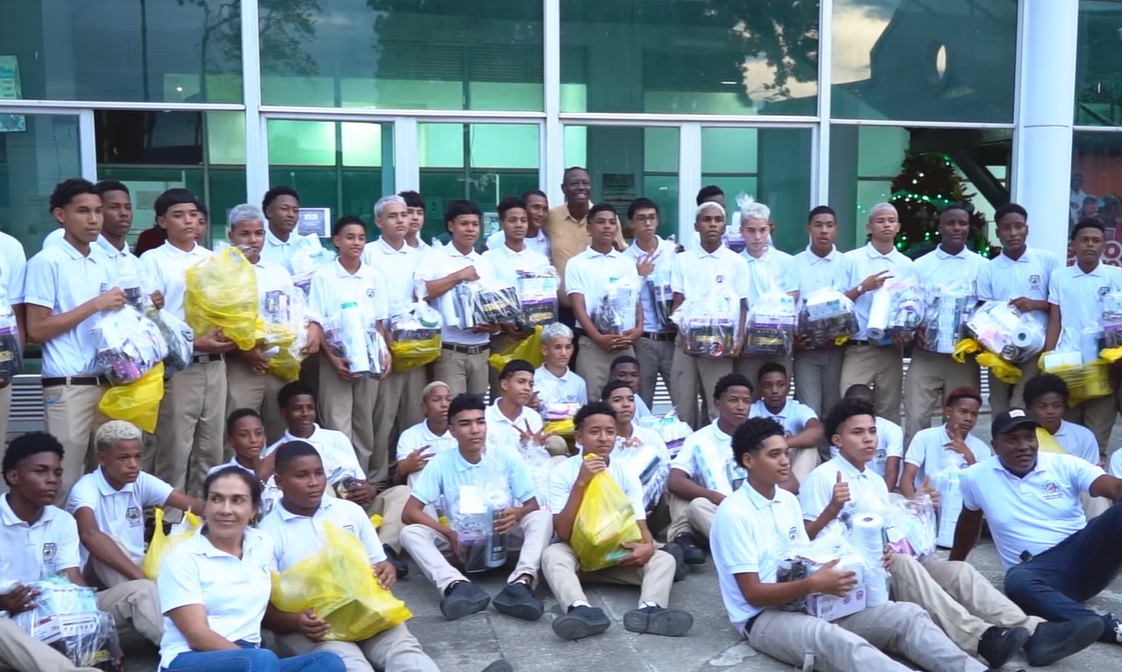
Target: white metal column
[820,150]
[552,155]
[87,145]
[256,146]
[1044,115]
[406,162]
[689,179]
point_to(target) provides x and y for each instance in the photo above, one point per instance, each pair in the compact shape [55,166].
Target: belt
[856,342]
[75,380]
[660,335]
[206,358]
[466,349]
[749,624]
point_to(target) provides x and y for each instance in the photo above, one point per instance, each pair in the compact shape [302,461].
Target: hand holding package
[827,318]
[604,522]
[537,291]
[415,333]
[617,310]
[710,324]
[222,292]
[771,325]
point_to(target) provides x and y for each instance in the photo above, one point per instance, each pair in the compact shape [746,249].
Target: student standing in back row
[13,268]
[770,271]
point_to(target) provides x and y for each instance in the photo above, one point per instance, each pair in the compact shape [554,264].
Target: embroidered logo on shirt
[370,293]
[50,549]
[720,279]
[1034,281]
[133,516]
[1103,290]
[1052,490]
[792,533]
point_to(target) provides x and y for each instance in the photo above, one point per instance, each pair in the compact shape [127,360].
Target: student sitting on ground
[554,381]
[1054,559]
[467,478]
[646,567]
[108,505]
[951,446]
[642,450]
[799,421]
[890,440]
[751,534]
[973,613]
[626,368]
[296,528]
[426,439]
[511,422]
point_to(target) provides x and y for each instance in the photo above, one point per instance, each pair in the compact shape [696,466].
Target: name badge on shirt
[134,517]
[471,500]
[1052,490]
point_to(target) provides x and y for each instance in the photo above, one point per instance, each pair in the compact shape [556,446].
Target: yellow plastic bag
[137,402]
[529,349]
[564,428]
[376,520]
[1004,371]
[604,522]
[337,583]
[162,543]
[1047,442]
[222,292]
[1084,382]
[409,355]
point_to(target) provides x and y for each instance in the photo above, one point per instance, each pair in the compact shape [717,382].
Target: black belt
[466,349]
[75,380]
[660,335]
[853,341]
[749,624]
[206,358]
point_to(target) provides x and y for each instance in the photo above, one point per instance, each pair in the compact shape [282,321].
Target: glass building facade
[795,102]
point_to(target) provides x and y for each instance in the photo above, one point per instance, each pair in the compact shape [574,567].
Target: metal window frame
[87,147]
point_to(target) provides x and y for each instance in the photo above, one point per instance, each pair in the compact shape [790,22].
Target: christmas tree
[927,183]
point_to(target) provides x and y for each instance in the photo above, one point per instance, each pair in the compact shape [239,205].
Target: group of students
[410,445]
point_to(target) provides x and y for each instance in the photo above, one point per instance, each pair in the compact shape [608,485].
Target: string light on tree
[927,183]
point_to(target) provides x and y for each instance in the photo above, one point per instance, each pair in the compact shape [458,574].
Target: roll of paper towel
[868,539]
[879,310]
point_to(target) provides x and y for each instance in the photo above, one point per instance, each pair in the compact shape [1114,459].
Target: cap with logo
[1010,420]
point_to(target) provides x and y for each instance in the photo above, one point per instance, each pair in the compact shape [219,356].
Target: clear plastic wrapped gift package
[309,256]
[708,324]
[896,311]
[486,301]
[351,335]
[617,311]
[473,518]
[11,356]
[670,428]
[128,344]
[804,560]
[67,619]
[771,325]
[657,286]
[827,315]
[947,311]
[1112,319]
[537,291]
[1003,330]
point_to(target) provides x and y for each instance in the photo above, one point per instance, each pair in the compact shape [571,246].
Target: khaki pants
[930,377]
[803,461]
[394,649]
[190,430]
[499,343]
[5,410]
[18,651]
[818,378]
[246,389]
[561,569]
[71,415]
[1098,416]
[749,367]
[695,377]
[430,549]
[855,642]
[348,406]
[1004,395]
[882,368]
[389,504]
[390,408]
[656,358]
[695,516]
[462,372]
[957,598]
[99,573]
[134,604]
[594,364]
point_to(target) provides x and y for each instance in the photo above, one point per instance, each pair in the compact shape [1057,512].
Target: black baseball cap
[1010,420]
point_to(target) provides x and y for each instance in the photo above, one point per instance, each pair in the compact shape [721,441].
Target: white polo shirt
[1003,279]
[419,435]
[440,262]
[335,449]
[1033,513]
[293,534]
[448,474]
[794,416]
[814,272]
[641,409]
[866,261]
[1079,296]
[564,476]
[589,274]
[280,252]
[928,451]
[663,268]
[61,279]
[774,270]
[13,268]
[397,268]
[272,280]
[568,389]
[41,549]
[166,268]
[697,273]
[539,243]
[1115,464]
[707,458]
[233,591]
[504,432]
[1079,441]
[817,489]
[890,443]
[507,262]
[119,513]
[332,286]
[645,455]
[937,268]
[751,535]
[58,237]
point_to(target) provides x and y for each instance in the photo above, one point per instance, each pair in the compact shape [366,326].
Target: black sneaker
[999,645]
[463,598]
[658,621]
[499,666]
[1051,642]
[399,565]
[580,622]
[691,552]
[1116,626]
[518,600]
[681,569]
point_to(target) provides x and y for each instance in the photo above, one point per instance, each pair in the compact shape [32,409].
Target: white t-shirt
[707,458]
[751,535]
[272,280]
[507,433]
[119,513]
[937,268]
[507,262]
[418,436]
[590,273]
[867,261]
[817,489]
[293,534]
[697,273]
[440,262]
[1115,464]
[1079,296]
[1003,279]
[794,416]
[166,268]
[335,450]
[564,476]
[13,268]
[451,476]
[1033,513]
[332,286]
[930,453]
[41,549]
[539,243]
[233,591]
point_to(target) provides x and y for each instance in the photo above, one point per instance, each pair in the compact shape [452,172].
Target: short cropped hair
[465,402]
[241,213]
[291,451]
[749,437]
[238,414]
[731,380]
[1045,383]
[296,388]
[380,206]
[65,191]
[843,411]
[591,409]
[275,193]
[345,221]
[31,443]
[172,198]
[516,366]
[116,430]
[556,330]
[960,393]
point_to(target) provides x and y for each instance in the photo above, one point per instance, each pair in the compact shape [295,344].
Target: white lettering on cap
[1016,413]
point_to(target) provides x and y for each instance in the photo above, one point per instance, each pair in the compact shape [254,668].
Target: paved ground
[472,643]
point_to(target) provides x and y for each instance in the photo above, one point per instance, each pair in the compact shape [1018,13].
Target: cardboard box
[826,607]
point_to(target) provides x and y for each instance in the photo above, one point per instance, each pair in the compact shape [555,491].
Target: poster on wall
[10,90]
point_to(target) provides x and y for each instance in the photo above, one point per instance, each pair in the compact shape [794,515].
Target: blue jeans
[1054,584]
[252,659]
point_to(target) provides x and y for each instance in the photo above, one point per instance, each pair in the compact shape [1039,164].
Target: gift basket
[896,311]
[11,355]
[474,522]
[708,324]
[803,560]
[310,256]
[827,318]
[537,290]
[1003,330]
[948,308]
[415,333]
[657,286]
[353,336]
[671,429]
[67,619]
[486,301]
[617,311]
[128,344]
[771,325]
[1112,320]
